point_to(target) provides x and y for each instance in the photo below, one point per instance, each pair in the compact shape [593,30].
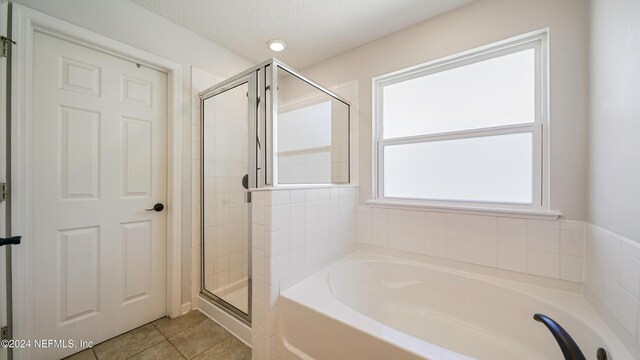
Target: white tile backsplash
[571,268]
[513,259]
[483,254]
[612,277]
[628,311]
[630,273]
[311,211]
[279,243]
[484,230]
[301,232]
[298,196]
[543,264]
[297,214]
[412,243]
[380,238]
[545,239]
[512,234]
[279,216]
[457,250]
[434,246]
[522,245]
[415,223]
[572,242]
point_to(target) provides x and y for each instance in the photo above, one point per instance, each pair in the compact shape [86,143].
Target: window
[467,130]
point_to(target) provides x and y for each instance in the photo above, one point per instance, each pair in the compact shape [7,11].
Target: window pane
[494,92]
[489,169]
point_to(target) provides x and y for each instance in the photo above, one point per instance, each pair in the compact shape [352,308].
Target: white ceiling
[313,29]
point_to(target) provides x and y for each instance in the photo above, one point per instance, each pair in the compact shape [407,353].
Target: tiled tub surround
[608,264]
[612,279]
[295,233]
[552,249]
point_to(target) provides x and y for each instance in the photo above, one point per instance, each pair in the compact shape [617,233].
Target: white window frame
[539,207]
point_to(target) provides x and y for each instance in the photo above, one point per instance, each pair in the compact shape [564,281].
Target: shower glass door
[226,124]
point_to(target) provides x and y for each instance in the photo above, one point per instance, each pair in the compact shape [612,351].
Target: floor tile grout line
[209,348]
[126,332]
[196,355]
[160,331]
[165,338]
[143,350]
[179,353]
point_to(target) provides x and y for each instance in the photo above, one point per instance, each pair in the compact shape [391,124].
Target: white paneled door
[99,160]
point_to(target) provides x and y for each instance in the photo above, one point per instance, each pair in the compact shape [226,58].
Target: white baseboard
[239,329]
[185,308]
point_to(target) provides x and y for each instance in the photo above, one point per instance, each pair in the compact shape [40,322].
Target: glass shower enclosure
[268,126]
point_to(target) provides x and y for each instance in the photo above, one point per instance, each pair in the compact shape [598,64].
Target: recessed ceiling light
[277,45]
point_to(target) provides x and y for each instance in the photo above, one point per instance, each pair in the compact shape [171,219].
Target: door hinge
[4,192]
[5,42]
[4,333]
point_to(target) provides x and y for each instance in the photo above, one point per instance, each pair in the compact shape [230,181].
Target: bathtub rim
[322,300]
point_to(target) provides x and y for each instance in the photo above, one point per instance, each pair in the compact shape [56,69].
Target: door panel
[79,280]
[99,160]
[80,153]
[136,245]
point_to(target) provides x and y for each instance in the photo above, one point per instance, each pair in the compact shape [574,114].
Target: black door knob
[245,181]
[157,208]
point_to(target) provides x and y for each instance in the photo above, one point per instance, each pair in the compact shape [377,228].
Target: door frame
[25,23]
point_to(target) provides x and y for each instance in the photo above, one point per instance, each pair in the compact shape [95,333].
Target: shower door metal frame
[271,161]
[249,78]
[262,79]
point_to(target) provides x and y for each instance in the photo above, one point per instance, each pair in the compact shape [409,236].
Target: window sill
[302,186]
[479,210]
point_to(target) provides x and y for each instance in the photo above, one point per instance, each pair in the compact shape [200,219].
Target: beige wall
[614,176]
[480,23]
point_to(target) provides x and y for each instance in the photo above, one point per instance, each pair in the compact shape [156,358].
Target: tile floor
[191,336]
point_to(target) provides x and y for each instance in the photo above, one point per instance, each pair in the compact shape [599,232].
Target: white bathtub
[367,306]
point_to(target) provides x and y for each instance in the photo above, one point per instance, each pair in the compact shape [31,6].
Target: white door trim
[26,21]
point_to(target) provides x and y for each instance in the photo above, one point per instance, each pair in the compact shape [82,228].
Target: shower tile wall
[226,232]
[553,249]
[226,217]
[296,232]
